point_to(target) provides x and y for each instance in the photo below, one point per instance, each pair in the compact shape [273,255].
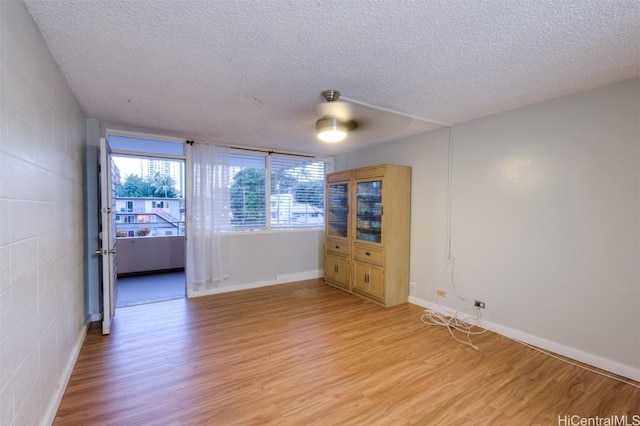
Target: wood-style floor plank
[306,354]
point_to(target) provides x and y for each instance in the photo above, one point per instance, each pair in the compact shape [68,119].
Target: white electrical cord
[391,111]
[432,317]
[455,290]
[454,322]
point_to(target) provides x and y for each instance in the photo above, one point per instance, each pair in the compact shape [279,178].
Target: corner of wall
[50,411]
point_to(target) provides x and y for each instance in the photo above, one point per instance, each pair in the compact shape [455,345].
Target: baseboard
[299,276]
[557,348]
[50,413]
[279,279]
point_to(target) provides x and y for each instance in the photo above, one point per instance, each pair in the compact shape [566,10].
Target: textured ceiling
[251,72]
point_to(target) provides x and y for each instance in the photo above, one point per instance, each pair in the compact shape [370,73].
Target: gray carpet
[152,288]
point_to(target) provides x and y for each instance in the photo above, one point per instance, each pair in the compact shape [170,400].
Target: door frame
[160,156]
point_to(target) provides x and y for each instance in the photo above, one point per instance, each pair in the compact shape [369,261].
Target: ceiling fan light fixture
[331,130]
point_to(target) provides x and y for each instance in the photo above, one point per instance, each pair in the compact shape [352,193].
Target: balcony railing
[147,225]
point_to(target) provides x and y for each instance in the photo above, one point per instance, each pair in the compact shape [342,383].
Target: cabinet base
[337,285]
[362,295]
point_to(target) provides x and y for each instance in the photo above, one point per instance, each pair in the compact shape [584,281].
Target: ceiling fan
[337,117]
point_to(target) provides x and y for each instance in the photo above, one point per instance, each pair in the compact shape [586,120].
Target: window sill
[276,231]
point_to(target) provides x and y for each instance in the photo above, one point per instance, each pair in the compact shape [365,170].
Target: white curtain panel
[208,253]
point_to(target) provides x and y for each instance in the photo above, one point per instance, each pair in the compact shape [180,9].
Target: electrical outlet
[479,304]
[413,284]
[442,293]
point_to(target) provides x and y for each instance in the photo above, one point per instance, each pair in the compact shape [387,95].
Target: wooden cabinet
[338,194]
[336,270]
[372,241]
[337,246]
[368,280]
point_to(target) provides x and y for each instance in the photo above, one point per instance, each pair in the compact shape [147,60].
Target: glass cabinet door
[369,211]
[338,210]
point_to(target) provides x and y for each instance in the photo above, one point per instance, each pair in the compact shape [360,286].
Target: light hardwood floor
[305,353]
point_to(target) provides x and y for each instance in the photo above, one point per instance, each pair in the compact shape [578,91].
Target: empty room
[369,212]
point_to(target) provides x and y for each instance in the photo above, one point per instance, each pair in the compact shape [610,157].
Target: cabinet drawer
[368,255]
[338,247]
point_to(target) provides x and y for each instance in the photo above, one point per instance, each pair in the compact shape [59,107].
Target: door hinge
[105,251]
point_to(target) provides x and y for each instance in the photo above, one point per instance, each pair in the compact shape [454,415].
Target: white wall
[267,258]
[42,314]
[545,221]
[150,254]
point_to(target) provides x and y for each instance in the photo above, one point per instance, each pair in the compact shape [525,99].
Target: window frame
[267,158]
[128,213]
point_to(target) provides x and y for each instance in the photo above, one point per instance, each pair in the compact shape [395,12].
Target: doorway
[149,216]
[150,288]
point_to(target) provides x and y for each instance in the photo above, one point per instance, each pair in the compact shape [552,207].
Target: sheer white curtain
[208,257]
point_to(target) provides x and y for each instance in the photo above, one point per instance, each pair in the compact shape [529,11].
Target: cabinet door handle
[366,253]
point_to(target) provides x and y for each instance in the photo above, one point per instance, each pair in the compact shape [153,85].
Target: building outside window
[149,197]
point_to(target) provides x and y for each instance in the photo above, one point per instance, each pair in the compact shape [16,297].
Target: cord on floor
[452,323]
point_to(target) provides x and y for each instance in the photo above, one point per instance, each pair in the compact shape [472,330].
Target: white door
[107,236]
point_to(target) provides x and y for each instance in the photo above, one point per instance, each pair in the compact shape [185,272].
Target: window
[149,193]
[295,191]
[248,209]
[146,218]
